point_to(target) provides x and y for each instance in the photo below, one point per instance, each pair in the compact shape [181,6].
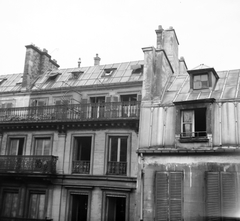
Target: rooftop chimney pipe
[97,60]
[79,62]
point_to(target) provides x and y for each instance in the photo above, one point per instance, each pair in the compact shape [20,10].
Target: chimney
[79,62]
[159,33]
[97,60]
[36,63]
[170,45]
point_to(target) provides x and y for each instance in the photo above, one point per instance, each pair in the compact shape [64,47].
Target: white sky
[208,30]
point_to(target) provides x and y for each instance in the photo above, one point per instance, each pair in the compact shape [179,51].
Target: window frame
[109,193]
[9,137]
[41,136]
[129,148]
[92,151]
[209,80]
[193,105]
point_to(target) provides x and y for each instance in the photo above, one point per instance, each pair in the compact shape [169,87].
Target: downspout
[220,124]
[150,128]
[141,188]
[236,123]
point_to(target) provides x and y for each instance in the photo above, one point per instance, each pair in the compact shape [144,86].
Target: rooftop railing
[71,112]
[28,164]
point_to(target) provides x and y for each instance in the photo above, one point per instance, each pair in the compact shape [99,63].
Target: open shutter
[175,195]
[84,110]
[229,196]
[162,196]
[108,106]
[213,198]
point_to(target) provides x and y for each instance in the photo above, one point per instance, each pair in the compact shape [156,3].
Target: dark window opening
[129,105]
[79,207]
[194,123]
[82,154]
[108,72]
[117,162]
[16,146]
[137,69]
[116,208]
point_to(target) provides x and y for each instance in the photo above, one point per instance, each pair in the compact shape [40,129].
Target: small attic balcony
[71,112]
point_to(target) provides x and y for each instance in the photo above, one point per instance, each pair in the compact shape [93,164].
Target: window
[194,123]
[10,203]
[137,69]
[117,156]
[52,77]
[129,105]
[36,206]
[97,107]
[75,75]
[42,146]
[16,146]
[61,110]
[81,154]
[38,107]
[39,102]
[79,207]
[169,196]
[221,197]
[108,72]
[115,208]
[200,81]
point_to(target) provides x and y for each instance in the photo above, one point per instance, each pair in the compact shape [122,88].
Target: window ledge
[193,140]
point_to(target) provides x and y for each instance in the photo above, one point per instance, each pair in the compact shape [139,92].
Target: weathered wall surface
[194,183]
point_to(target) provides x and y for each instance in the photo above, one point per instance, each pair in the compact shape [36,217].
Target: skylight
[137,69]
[108,72]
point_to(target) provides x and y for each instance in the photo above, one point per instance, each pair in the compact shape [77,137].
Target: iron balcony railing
[117,168]
[22,219]
[85,111]
[196,134]
[28,164]
[80,166]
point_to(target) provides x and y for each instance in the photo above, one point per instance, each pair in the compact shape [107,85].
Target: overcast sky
[208,30]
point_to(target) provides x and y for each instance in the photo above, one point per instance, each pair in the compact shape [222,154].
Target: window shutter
[84,109]
[175,195]
[229,196]
[108,106]
[162,197]
[213,198]
[139,97]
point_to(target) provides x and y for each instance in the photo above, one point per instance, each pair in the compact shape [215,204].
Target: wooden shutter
[175,195]
[169,196]
[162,198]
[108,106]
[84,109]
[213,198]
[229,194]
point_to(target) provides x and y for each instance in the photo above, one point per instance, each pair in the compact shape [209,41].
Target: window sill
[194,140]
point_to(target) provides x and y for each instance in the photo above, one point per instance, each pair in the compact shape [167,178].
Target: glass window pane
[46,147]
[13,146]
[114,148]
[123,152]
[196,78]
[187,116]
[204,77]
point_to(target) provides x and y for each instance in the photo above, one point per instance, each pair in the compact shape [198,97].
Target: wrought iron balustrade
[80,166]
[22,219]
[117,168]
[84,111]
[28,164]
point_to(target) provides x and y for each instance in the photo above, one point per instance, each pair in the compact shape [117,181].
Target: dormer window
[137,69]
[2,80]
[75,75]
[202,78]
[108,72]
[200,81]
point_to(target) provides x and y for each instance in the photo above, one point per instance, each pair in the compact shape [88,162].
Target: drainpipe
[141,188]
[236,123]
[220,124]
[150,128]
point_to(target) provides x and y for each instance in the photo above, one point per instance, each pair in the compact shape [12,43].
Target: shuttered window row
[221,195]
[169,196]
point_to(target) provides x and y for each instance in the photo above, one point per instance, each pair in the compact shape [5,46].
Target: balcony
[190,137]
[28,164]
[81,167]
[117,168]
[72,112]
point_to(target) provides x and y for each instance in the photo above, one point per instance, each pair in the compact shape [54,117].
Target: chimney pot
[79,62]
[97,60]
[45,50]
[171,27]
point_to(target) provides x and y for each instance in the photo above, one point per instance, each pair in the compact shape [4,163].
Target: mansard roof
[227,88]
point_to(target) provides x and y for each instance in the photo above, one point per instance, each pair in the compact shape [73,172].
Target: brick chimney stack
[36,63]
[159,33]
[97,60]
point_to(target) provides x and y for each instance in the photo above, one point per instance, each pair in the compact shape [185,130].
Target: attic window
[53,76]
[200,81]
[137,69]
[75,75]
[108,72]
[2,80]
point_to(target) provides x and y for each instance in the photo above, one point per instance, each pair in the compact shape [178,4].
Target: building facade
[189,138]
[68,140]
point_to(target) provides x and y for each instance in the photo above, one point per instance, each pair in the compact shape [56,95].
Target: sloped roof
[227,87]
[11,82]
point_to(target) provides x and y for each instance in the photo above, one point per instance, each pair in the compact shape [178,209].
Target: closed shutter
[175,195]
[139,97]
[169,196]
[162,199]
[84,109]
[108,106]
[229,196]
[115,106]
[213,198]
